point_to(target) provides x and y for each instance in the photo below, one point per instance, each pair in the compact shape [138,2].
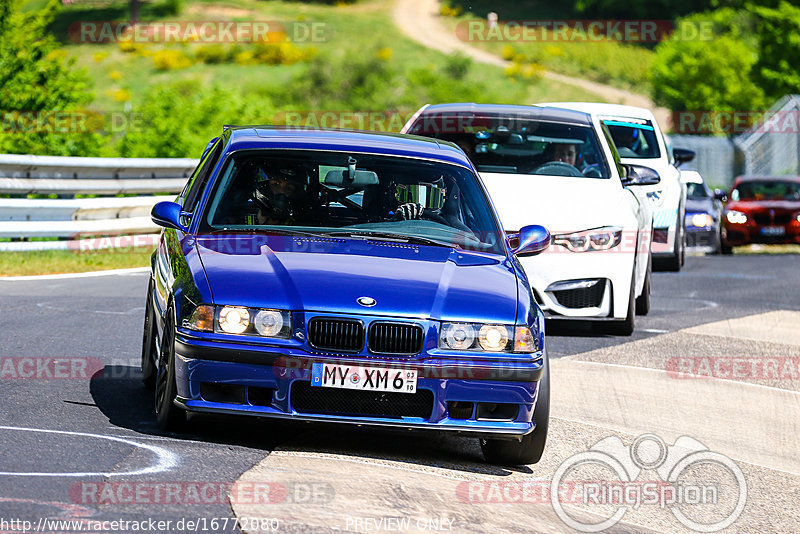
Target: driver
[563,152]
[278,195]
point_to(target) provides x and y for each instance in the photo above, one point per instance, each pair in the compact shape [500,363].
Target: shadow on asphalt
[118,392]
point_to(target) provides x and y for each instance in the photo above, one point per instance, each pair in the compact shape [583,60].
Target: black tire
[625,327]
[643,300]
[168,416]
[530,449]
[674,262]
[149,341]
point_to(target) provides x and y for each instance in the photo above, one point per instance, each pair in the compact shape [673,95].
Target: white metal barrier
[105,215]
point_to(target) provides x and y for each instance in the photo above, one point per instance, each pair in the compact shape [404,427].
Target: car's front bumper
[750,232]
[261,382]
[702,239]
[665,231]
[552,270]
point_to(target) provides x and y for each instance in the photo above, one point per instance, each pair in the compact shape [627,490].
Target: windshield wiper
[390,236]
[273,231]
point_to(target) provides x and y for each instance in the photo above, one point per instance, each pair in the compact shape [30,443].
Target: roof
[541,113]
[597,108]
[271,137]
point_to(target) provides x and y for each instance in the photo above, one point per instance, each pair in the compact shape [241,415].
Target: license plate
[332,375]
[773,230]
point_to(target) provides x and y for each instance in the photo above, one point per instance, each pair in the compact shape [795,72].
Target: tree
[36,83]
[778,32]
[705,76]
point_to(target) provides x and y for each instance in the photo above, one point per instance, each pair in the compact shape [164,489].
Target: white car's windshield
[497,143]
[634,138]
[352,195]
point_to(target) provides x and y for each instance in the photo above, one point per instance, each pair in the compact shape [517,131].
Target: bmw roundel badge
[367,301]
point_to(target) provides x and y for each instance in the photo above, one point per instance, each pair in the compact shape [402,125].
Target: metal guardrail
[106,215]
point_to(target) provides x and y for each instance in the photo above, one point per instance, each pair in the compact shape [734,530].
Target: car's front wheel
[169,416]
[643,300]
[625,327]
[149,342]
[531,448]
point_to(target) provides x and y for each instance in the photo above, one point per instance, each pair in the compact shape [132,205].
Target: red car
[762,209]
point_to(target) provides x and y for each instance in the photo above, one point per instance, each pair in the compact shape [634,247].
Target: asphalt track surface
[62,437]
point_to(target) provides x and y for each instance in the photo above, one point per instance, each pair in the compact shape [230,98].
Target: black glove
[408,211]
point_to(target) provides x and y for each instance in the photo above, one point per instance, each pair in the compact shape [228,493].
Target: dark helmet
[278,205]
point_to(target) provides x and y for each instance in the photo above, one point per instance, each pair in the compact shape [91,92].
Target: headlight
[702,220]
[241,320]
[270,322]
[797,217]
[492,337]
[233,320]
[458,336]
[487,338]
[590,240]
[736,217]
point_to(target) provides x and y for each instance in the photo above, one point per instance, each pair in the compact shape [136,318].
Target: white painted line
[90,274]
[654,331]
[167,460]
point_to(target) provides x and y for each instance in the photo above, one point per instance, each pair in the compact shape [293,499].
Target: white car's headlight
[736,217]
[241,320]
[487,338]
[701,220]
[590,240]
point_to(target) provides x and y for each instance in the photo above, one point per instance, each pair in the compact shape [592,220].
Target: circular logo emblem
[367,301]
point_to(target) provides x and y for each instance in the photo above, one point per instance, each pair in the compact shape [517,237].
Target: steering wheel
[557,168]
[592,171]
[433,216]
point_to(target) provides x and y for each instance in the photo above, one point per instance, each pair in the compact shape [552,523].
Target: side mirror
[639,175]
[683,155]
[721,194]
[168,215]
[530,241]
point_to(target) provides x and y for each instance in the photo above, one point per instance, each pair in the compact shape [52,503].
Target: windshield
[634,138]
[512,145]
[352,195]
[767,190]
[696,191]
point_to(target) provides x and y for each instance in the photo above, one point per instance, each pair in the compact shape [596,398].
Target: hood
[700,205]
[324,274]
[562,204]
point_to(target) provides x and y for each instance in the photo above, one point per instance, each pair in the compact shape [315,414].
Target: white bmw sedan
[550,166]
[639,140]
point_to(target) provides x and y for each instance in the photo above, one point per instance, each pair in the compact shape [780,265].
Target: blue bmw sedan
[346,277]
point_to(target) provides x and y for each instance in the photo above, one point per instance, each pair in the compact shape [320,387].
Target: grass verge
[68,261]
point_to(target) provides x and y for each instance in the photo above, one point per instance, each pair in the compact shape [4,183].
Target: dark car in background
[762,209]
[703,214]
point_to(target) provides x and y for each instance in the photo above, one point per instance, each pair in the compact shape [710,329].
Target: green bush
[37,80]
[709,75]
[169,59]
